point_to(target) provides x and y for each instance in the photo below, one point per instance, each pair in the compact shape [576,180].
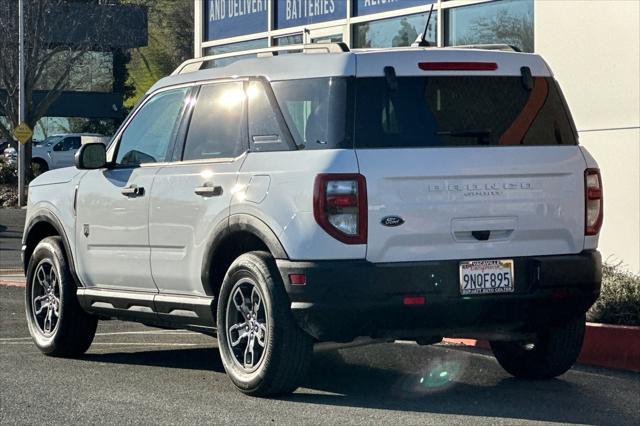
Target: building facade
[592,46]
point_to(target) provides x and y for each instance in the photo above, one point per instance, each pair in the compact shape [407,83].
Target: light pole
[21,147]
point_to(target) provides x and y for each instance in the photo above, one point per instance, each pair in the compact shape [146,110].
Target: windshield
[460,111]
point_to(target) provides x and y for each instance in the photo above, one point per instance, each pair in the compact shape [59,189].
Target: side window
[74,142]
[264,130]
[217,128]
[148,136]
[67,144]
[316,111]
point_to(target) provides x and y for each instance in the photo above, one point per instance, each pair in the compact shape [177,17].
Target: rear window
[460,111]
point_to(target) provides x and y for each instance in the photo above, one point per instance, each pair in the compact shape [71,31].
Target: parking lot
[136,374]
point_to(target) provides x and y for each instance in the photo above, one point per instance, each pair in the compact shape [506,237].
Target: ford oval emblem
[392,221]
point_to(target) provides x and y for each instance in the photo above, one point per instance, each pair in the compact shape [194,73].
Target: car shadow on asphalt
[411,378]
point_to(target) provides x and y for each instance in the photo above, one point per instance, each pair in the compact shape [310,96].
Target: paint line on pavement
[118,333]
[117,344]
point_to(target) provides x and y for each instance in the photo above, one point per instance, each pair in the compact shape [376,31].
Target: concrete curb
[605,345]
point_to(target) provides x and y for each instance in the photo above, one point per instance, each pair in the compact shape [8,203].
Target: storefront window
[503,21]
[288,40]
[394,32]
[232,47]
[235,47]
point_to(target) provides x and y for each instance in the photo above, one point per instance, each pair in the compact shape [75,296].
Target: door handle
[133,191]
[208,190]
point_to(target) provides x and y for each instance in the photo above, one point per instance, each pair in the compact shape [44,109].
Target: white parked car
[286,200]
[57,151]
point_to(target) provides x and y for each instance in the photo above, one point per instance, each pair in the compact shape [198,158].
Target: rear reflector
[458,66]
[413,300]
[298,279]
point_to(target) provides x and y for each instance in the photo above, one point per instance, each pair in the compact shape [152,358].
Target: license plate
[486,277]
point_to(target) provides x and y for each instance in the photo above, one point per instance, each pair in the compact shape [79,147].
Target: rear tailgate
[530,199]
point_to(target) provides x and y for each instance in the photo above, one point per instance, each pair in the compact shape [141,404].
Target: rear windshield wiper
[481,134]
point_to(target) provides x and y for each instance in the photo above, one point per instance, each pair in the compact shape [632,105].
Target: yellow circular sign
[23,133]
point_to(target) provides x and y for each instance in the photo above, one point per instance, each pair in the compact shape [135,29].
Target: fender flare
[239,223]
[51,219]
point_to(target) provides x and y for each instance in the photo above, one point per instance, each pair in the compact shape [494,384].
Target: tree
[503,27]
[65,48]
[170,44]
[407,34]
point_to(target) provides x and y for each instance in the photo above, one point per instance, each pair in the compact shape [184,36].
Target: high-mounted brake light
[340,206]
[593,202]
[458,66]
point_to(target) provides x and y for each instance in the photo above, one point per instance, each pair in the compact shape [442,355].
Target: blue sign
[367,7]
[229,18]
[293,13]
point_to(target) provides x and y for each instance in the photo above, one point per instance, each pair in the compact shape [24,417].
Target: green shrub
[8,172]
[619,301]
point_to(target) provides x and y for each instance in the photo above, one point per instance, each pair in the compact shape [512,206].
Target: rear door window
[218,124]
[460,111]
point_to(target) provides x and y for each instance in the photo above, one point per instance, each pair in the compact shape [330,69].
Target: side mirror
[91,156]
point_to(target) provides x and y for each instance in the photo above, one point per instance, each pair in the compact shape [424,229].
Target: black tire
[38,167]
[286,352]
[555,351]
[73,330]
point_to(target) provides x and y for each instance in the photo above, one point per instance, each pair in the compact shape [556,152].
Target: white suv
[286,200]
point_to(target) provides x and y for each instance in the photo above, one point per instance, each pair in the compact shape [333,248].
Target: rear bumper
[342,300]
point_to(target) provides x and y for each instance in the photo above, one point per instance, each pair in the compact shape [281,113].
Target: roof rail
[195,64]
[497,46]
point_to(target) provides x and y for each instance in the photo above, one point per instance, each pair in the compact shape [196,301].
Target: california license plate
[486,277]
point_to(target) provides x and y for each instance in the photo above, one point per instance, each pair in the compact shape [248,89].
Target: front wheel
[263,350]
[551,354]
[57,323]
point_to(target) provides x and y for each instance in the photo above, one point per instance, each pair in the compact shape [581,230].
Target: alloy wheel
[247,326]
[45,298]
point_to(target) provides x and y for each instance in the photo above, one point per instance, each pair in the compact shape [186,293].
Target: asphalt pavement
[142,375]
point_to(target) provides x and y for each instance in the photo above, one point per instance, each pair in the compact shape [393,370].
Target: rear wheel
[263,350]
[38,167]
[553,352]
[57,323]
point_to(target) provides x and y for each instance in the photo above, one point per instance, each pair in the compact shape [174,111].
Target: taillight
[340,206]
[593,202]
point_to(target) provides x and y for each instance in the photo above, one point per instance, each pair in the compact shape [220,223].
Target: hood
[55,176]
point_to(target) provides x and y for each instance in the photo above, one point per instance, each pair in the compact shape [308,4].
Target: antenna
[424,42]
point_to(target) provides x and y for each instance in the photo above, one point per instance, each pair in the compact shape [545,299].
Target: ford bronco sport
[286,200]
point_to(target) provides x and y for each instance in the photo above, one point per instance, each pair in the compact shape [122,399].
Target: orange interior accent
[514,134]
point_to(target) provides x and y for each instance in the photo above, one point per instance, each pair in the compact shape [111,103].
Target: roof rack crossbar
[192,65]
